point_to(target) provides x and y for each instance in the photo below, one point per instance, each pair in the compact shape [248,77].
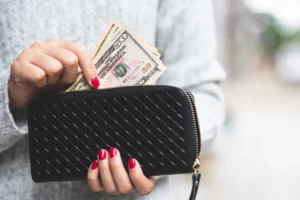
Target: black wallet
[157,125]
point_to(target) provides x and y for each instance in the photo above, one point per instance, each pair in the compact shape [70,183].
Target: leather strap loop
[196,183]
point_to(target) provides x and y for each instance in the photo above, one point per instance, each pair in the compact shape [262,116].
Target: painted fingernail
[131,163]
[101,154]
[94,165]
[95,81]
[112,152]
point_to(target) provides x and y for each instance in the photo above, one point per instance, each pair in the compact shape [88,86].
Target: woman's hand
[114,178]
[48,66]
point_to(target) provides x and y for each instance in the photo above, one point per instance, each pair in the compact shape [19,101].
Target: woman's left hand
[114,177]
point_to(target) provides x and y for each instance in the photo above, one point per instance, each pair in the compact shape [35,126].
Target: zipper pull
[196,179]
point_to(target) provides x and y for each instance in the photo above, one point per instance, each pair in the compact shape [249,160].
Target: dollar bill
[111,31]
[107,36]
[126,60]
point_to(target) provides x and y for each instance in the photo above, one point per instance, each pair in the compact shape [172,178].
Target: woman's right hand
[48,66]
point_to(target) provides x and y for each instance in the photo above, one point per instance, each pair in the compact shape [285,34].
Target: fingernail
[112,152]
[95,81]
[101,154]
[94,165]
[131,163]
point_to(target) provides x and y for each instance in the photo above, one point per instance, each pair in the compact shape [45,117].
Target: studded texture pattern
[152,124]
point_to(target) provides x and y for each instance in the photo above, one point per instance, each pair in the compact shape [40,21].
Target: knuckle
[102,169]
[39,76]
[27,52]
[72,61]
[82,48]
[56,69]
[14,66]
[125,189]
[37,45]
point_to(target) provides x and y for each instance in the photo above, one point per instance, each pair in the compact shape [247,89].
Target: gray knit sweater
[182,30]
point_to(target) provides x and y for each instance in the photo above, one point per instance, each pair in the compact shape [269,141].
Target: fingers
[85,60]
[142,184]
[34,74]
[68,59]
[52,67]
[45,63]
[93,177]
[59,59]
[105,173]
[119,173]
[114,178]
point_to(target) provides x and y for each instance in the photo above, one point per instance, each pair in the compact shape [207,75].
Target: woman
[184,34]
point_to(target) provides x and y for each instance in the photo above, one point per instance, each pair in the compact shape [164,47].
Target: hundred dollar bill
[126,61]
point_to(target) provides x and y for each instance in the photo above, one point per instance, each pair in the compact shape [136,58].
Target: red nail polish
[101,154]
[112,152]
[94,165]
[131,163]
[95,81]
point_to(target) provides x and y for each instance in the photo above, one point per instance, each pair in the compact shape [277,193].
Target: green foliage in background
[277,35]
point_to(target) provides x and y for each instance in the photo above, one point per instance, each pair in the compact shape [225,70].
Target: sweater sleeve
[186,39]
[12,125]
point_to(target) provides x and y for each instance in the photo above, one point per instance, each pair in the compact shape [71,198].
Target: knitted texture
[183,32]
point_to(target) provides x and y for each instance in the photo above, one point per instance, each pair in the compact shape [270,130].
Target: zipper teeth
[197,132]
[106,88]
[196,123]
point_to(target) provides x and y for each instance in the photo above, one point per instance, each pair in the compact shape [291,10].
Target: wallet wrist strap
[196,182]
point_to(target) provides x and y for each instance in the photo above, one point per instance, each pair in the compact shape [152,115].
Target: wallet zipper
[196,165]
[197,133]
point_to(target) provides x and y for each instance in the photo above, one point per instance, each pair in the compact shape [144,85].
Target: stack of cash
[123,58]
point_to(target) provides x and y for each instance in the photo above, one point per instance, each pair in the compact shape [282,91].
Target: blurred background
[257,154]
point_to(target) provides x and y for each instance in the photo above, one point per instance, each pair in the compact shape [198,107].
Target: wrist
[12,104]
